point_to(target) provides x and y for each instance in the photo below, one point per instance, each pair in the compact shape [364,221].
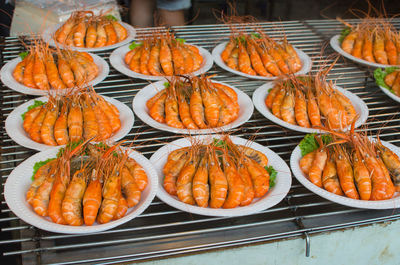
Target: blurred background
[200,12]
[271,10]
[203,11]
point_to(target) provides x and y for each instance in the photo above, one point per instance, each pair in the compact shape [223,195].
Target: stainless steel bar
[130,240]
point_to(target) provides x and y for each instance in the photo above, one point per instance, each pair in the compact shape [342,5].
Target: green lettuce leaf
[242,39]
[133,45]
[166,84]
[38,165]
[69,146]
[272,175]
[102,145]
[37,103]
[380,74]
[309,144]
[219,143]
[106,147]
[180,40]
[346,31]
[111,17]
[23,54]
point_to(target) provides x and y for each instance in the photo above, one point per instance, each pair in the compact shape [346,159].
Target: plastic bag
[63,8]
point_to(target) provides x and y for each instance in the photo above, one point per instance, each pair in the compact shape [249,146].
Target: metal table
[163,231]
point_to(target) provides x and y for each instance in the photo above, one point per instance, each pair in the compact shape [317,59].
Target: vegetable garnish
[23,54]
[255,35]
[241,39]
[272,175]
[106,147]
[133,45]
[70,146]
[102,145]
[38,165]
[304,78]
[219,143]
[111,17]
[252,35]
[309,144]
[346,31]
[380,75]
[180,40]
[37,103]
[166,84]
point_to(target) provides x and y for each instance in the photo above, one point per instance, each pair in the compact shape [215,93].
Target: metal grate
[164,231]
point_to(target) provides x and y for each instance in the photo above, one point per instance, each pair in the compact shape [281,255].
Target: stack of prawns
[310,101]
[258,54]
[81,115]
[353,165]
[85,30]
[374,40]
[45,68]
[219,174]
[194,103]
[163,54]
[87,183]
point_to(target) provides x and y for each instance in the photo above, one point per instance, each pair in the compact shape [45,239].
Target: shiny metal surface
[163,231]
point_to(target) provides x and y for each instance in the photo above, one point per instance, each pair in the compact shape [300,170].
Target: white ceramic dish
[216,53]
[259,102]
[140,108]
[14,124]
[385,204]
[19,180]
[273,197]
[47,36]
[336,45]
[118,62]
[6,75]
[390,94]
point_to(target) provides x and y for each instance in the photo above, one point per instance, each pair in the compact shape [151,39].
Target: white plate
[259,102]
[19,181]
[273,197]
[47,36]
[15,129]
[117,60]
[216,53]
[390,94]
[6,75]
[140,108]
[336,45]
[385,204]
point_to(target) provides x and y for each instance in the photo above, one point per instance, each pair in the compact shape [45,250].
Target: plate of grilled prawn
[373,42]
[388,80]
[44,69]
[350,169]
[84,31]
[220,175]
[80,189]
[257,56]
[46,122]
[192,105]
[159,56]
[308,104]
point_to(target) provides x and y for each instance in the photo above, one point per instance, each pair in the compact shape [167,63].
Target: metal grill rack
[163,231]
